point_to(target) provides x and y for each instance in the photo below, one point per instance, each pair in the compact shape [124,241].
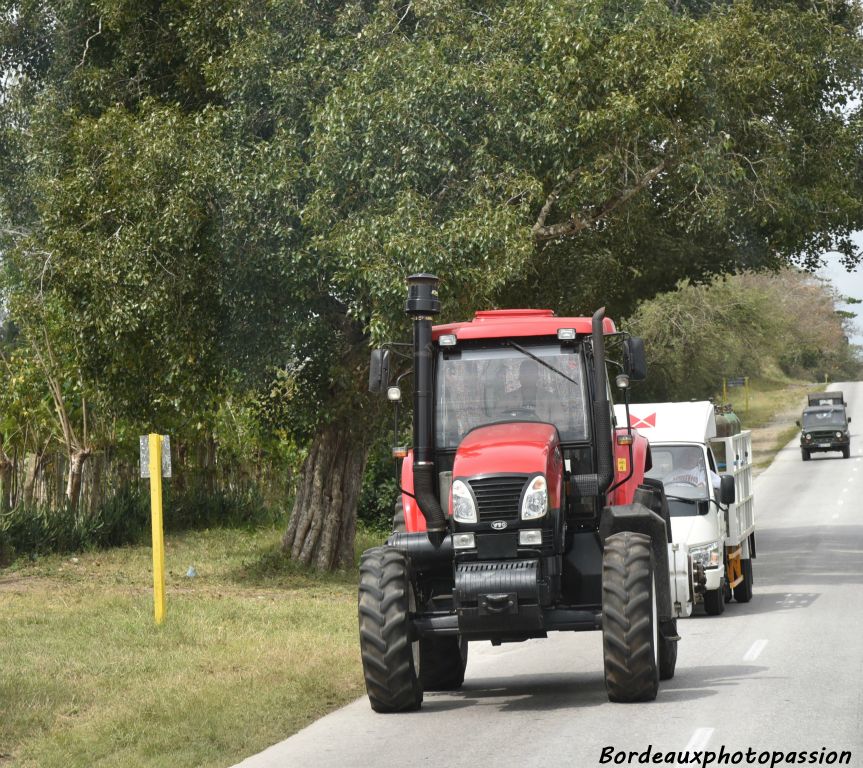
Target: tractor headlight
[707,556]
[463,507]
[535,501]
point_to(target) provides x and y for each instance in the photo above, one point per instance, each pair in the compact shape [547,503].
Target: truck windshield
[824,418]
[683,472]
[483,386]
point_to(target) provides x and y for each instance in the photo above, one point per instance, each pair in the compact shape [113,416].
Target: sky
[848,284]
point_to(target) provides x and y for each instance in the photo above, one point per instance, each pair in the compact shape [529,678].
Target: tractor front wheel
[389,649]
[630,624]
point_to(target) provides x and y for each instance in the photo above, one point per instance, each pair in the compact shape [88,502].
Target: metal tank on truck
[524,509]
[712,514]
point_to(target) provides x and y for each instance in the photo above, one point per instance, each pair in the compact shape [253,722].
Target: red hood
[512,448]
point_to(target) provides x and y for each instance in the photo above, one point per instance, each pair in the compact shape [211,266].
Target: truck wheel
[846,452]
[399,525]
[442,663]
[668,653]
[743,591]
[389,651]
[630,624]
[714,601]
[805,454]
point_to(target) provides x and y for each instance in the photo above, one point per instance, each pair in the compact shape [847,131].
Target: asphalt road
[781,673]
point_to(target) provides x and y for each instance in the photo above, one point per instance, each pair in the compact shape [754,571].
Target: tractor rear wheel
[442,663]
[667,653]
[714,601]
[630,624]
[390,652]
[743,591]
[399,525]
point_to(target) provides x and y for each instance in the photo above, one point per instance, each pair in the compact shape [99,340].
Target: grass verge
[251,651]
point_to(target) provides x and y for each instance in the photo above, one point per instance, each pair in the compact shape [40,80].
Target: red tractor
[524,509]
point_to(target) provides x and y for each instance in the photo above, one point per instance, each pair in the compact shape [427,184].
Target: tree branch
[87,44]
[543,232]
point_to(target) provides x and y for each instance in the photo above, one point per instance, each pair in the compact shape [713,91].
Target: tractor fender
[639,519]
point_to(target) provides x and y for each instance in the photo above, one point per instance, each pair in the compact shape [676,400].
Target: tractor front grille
[497,498]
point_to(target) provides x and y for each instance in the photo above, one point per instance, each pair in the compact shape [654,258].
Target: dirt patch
[20,584]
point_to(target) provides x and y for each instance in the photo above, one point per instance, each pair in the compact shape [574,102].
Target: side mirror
[726,490]
[849,419]
[379,370]
[634,361]
[797,422]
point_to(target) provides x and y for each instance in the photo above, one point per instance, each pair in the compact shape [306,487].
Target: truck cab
[712,516]
[824,425]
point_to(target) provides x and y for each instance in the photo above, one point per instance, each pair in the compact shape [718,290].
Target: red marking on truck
[643,423]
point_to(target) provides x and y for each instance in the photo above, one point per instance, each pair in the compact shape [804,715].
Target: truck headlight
[535,501]
[707,556]
[838,434]
[463,507]
[807,436]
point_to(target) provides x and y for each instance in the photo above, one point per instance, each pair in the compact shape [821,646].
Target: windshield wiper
[542,362]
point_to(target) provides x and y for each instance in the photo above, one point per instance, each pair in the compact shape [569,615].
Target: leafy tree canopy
[214,189]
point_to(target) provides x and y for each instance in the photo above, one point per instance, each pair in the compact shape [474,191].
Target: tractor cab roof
[507,323]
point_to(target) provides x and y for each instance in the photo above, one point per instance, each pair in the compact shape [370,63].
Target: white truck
[708,484]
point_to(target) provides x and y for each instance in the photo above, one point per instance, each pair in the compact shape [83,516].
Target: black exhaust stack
[601,407]
[422,305]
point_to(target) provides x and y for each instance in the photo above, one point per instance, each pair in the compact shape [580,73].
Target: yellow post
[155,443]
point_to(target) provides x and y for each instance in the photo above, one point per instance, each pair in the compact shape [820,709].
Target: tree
[743,325]
[290,163]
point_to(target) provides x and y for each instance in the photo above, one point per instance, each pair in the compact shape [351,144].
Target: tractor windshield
[483,386]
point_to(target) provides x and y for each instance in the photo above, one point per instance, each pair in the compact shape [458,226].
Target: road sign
[145,455]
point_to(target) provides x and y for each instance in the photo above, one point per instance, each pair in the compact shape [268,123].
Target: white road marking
[699,738]
[755,651]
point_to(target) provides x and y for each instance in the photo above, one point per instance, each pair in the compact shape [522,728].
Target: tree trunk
[5,481]
[76,468]
[323,521]
[94,490]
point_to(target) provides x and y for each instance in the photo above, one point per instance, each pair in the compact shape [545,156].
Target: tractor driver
[530,397]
